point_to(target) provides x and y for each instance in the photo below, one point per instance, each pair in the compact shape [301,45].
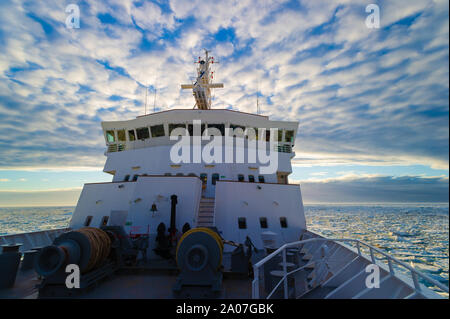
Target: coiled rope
[100,246]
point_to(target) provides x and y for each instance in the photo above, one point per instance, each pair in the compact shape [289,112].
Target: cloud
[351,188]
[4,180]
[319,174]
[362,96]
[348,188]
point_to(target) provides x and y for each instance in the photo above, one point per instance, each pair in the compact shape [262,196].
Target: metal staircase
[205,216]
[320,268]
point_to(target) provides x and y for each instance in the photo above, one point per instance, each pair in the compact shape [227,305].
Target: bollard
[9,264]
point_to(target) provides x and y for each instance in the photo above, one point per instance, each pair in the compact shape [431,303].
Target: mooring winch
[199,257]
[87,247]
[98,252]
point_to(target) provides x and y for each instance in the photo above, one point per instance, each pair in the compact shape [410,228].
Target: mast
[202,86]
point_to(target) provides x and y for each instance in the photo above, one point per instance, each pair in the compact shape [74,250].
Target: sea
[416,234]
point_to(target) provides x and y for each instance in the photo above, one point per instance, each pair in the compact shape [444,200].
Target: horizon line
[304,204]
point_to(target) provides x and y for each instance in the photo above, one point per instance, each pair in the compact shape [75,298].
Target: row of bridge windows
[144,133]
[204,177]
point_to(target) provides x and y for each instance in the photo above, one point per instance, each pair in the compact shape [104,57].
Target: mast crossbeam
[201,88]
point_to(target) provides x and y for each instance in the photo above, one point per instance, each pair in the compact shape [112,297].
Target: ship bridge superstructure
[142,146]
[239,195]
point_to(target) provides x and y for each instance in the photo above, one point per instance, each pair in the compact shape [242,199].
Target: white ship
[210,217]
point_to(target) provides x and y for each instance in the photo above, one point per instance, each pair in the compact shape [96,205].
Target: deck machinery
[100,252]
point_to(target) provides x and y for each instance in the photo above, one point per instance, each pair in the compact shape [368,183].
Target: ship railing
[391,261]
[32,239]
[283,148]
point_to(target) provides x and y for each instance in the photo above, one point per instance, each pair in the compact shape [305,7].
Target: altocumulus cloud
[362,96]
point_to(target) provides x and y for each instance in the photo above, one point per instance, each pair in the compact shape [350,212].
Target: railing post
[391,267]
[255,284]
[372,255]
[359,248]
[285,274]
[415,280]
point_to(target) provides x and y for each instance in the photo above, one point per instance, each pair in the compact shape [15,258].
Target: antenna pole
[154,102]
[257,98]
[145,104]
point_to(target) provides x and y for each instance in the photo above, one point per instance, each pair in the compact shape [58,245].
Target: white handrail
[414,273]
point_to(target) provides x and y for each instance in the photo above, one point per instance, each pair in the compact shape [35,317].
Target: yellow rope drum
[199,247]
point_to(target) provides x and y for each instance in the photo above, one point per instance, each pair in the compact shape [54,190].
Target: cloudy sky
[373,103]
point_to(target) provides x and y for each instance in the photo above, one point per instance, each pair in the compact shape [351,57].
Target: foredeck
[318,268]
[153,280]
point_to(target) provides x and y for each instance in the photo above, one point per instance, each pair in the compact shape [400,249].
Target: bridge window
[191,129]
[240,178]
[280,135]
[251,178]
[142,133]
[215,177]
[242,223]
[135,177]
[256,133]
[127,178]
[104,221]
[263,222]
[289,136]
[110,136]
[157,130]
[88,220]
[261,179]
[174,126]
[220,127]
[179,174]
[283,222]
[268,135]
[167,174]
[131,135]
[121,135]
[234,132]
[192,174]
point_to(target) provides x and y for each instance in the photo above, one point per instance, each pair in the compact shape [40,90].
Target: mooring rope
[100,246]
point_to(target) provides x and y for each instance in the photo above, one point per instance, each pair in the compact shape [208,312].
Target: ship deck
[152,280]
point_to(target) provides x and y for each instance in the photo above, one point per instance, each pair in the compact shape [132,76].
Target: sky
[373,103]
